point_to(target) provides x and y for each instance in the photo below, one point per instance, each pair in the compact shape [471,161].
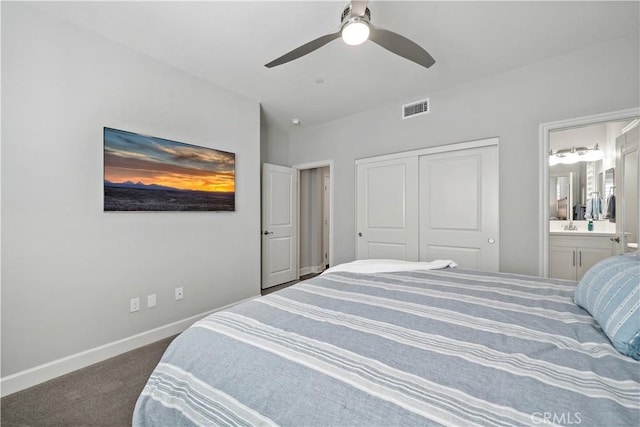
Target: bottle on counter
[590,225]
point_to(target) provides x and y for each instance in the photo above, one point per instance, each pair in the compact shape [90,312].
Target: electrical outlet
[134,304]
[151,300]
[179,293]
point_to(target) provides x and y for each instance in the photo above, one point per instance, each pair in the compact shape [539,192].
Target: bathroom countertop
[581,233]
[600,228]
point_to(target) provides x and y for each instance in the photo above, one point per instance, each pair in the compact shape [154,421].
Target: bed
[405,345]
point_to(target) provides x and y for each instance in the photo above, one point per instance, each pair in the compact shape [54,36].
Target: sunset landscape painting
[145,173]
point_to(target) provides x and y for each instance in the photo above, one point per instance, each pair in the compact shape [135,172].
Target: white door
[627,189]
[279,225]
[387,209]
[459,215]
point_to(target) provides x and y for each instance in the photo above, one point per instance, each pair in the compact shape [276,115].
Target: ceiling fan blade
[358,7]
[401,45]
[304,49]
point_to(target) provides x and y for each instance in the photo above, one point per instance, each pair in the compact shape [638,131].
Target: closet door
[459,216]
[387,209]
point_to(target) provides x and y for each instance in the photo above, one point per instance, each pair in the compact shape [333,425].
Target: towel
[611,208]
[389,265]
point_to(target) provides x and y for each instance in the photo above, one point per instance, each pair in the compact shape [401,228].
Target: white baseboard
[313,269]
[39,374]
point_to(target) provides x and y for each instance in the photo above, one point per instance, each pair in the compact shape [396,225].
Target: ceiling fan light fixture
[355,32]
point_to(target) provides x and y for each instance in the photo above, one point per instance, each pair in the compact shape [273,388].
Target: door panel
[387,209]
[280,249]
[381,250]
[459,216]
[386,196]
[587,258]
[280,209]
[279,225]
[562,262]
[460,174]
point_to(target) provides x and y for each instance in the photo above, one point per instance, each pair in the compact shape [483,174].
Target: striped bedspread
[441,347]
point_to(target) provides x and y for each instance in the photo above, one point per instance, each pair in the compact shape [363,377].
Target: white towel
[389,265]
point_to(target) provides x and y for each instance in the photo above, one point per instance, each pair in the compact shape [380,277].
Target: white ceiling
[229,42]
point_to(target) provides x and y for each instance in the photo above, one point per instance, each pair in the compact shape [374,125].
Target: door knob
[359,234]
[491,240]
[268,232]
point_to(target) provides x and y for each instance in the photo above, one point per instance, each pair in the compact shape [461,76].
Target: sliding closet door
[459,207]
[387,209]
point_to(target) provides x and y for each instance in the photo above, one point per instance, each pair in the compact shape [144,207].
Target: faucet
[571,226]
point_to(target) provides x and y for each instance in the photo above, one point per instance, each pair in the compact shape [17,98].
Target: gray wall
[69,269]
[510,106]
[274,143]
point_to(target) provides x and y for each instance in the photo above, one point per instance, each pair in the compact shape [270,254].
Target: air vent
[415,109]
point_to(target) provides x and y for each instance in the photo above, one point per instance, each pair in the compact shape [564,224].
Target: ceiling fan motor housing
[347,16]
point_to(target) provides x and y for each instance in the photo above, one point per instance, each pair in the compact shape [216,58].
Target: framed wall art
[146,173]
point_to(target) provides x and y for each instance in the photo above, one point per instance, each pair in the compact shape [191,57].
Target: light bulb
[575,155]
[592,156]
[355,32]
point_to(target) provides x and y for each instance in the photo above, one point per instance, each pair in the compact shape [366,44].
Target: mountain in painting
[139,185]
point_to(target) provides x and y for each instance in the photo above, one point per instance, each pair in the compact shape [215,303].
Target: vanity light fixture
[568,156]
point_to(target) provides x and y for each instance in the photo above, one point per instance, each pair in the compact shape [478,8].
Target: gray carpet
[103,394]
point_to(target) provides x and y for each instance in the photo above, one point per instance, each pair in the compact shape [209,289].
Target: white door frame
[326,208]
[314,165]
[543,191]
[432,150]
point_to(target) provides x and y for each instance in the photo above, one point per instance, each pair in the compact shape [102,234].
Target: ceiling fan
[355,29]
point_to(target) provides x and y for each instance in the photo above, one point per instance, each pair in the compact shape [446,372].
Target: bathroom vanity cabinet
[572,254]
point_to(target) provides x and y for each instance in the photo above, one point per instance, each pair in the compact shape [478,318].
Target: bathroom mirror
[588,155]
[609,182]
[570,188]
[560,187]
